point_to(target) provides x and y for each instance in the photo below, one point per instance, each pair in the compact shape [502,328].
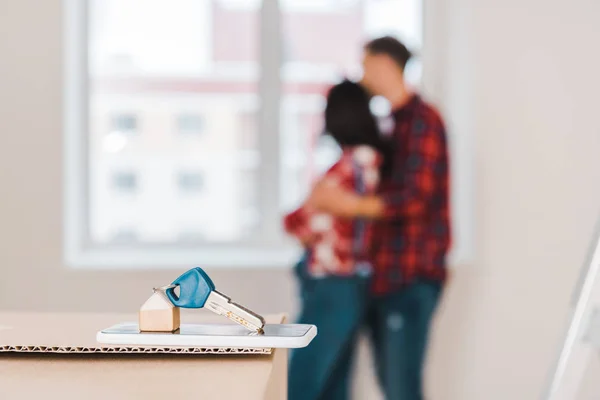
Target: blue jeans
[340,307]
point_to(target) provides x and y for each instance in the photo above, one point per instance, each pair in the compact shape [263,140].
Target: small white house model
[158,314]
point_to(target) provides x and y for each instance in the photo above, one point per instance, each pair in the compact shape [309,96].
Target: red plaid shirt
[341,246]
[413,237]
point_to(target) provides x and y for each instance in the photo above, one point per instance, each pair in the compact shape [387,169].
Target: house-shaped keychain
[158,314]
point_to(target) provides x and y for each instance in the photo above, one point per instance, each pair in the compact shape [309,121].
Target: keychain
[196,290]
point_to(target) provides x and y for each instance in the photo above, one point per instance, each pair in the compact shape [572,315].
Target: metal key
[198,291]
[220,304]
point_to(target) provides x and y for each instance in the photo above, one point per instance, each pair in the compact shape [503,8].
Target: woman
[334,273]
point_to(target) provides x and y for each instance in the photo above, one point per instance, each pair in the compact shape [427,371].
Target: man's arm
[412,183]
[344,203]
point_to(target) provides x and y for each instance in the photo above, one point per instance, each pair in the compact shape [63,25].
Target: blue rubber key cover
[194,288]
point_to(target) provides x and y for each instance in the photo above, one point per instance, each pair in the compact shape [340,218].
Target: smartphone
[212,335]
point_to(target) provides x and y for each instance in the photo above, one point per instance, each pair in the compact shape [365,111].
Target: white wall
[520,76]
[534,88]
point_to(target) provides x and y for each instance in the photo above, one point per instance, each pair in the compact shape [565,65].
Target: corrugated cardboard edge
[133,350]
[117,349]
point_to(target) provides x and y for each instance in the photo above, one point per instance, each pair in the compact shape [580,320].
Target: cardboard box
[56,356]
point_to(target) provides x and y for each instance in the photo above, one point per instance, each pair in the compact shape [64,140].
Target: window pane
[125,182]
[323,43]
[190,124]
[124,124]
[190,182]
[172,143]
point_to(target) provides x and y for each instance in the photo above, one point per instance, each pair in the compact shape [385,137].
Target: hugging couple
[376,229]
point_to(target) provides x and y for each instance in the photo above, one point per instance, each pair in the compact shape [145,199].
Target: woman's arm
[297,223]
[343,201]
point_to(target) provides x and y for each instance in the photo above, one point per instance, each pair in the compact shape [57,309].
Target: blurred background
[139,138]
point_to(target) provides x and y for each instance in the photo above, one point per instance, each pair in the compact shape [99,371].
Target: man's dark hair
[391,47]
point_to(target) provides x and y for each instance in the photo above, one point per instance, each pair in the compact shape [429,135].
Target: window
[190,182]
[125,124]
[124,236]
[249,77]
[124,182]
[191,236]
[191,124]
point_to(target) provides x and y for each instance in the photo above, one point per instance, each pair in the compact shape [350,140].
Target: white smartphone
[212,335]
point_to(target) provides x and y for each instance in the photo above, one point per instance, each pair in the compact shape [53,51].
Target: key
[196,290]
[222,305]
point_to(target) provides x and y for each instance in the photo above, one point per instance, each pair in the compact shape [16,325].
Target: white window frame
[273,250]
[294,5]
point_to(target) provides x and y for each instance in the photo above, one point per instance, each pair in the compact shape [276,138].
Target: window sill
[174,258]
[222,257]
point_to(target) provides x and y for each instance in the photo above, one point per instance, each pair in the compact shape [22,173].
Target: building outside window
[190,124]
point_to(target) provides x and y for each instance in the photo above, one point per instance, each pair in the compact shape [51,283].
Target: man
[412,225]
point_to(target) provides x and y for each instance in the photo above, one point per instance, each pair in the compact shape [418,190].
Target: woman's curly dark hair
[350,122]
